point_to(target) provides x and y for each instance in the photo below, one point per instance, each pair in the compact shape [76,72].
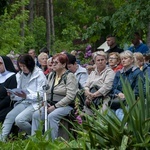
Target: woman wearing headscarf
[30,79]
[7,80]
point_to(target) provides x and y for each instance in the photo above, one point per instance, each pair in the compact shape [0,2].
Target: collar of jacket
[130,69]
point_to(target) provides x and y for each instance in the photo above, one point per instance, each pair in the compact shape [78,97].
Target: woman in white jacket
[30,79]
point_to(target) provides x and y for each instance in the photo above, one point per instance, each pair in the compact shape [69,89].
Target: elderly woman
[42,59]
[30,80]
[62,91]
[114,61]
[102,78]
[7,80]
[130,73]
[49,66]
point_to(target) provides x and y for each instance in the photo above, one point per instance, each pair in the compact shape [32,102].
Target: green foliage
[3,5]
[131,16]
[106,131]
[36,37]
[86,20]
[60,46]
[96,29]
[71,32]
[10,30]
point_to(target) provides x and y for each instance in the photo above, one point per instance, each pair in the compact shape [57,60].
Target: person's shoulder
[136,70]
[69,73]
[81,69]
[143,48]
[144,45]
[119,50]
[38,72]
[37,69]
[108,69]
[115,49]
[131,48]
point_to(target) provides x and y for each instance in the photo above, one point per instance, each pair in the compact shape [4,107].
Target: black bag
[116,103]
[98,100]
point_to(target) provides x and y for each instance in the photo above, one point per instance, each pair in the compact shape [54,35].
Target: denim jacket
[132,75]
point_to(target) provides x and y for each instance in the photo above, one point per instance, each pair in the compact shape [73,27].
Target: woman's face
[100,62]
[113,60]
[57,66]
[126,61]
[43,60]
[50,65]
[24,68]
[2,66]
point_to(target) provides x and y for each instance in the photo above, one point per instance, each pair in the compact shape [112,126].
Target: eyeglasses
[112,58]
[55,62]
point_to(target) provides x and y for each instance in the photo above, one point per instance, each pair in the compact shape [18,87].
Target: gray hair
[99,53]
[41,55]
[126,53]
[49,59]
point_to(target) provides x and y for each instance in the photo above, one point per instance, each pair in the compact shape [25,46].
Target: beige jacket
[65,91]
[103,80]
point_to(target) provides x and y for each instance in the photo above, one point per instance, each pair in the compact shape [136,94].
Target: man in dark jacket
[111,41]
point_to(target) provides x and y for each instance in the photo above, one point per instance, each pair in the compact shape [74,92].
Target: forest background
[70,24]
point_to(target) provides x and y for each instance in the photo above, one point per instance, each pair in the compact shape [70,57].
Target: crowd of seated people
[30,80]
[62,91]
[102,84]
[130,73]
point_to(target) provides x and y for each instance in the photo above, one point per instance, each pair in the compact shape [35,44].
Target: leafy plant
[106,131]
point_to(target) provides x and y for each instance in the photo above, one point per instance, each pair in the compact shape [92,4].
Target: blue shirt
[142,48]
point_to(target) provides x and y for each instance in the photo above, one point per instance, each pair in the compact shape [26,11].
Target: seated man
[80,72]
[111,42]
[138,46]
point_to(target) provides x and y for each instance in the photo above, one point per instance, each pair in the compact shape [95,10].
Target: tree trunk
[148,37]
[48,30]
[22,29]
[31,14]
[52,25]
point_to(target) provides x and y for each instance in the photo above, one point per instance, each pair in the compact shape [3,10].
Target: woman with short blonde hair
[99,53]
[130,74]
[139,61]
[42,59]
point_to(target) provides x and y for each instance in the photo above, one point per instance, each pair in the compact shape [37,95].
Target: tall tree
[52,25]
[48,26]
[31,13]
